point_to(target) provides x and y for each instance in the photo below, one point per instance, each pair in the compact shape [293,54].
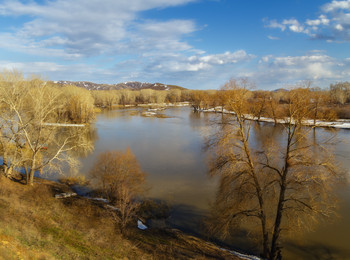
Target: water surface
[171,151]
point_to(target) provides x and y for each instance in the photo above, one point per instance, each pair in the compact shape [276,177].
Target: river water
[171,152]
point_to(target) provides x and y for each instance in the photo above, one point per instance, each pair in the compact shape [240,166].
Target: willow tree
[33,126]
[12,93]
[120,178]
[77,104]
[270,187]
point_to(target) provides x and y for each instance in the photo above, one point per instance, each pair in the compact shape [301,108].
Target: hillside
[132,85]
[35,225]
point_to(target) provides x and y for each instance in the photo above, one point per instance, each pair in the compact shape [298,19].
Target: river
[171,152]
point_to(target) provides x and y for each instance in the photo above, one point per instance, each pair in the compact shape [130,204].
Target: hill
[132,85]
[35,225]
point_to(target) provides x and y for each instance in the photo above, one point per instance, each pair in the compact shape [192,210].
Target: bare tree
[273,185]
[120,178]
[340,92]
[77,104]
[12,93]
[258,106]
[33,129]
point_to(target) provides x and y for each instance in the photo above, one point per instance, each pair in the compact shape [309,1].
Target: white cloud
[275,24]
[291,24]
[265,59]
[93,27]
[322,20]
[172,28]
[274,72]
[200,63]
[336,5]
[333,25]
[49,70]
[114,37]
[339,27]
[295,26]
[273,37]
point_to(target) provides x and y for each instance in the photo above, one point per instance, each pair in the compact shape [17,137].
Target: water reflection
[250,181]
[170,150]
[79,143]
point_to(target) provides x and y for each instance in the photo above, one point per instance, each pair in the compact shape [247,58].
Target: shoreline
[64,188]
[339,124]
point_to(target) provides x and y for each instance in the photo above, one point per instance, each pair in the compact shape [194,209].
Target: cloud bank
[113,41]
[332,25]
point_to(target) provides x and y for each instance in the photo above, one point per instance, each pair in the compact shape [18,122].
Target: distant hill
[280,89]
[133,85]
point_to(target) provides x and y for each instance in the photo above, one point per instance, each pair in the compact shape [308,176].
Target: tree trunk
[4,163]
[262,214]
[31,173]
[27,174]
[315,114]
[275,249]
[8,171]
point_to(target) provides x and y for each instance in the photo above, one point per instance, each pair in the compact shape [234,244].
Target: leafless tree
[120,178]
[273,186]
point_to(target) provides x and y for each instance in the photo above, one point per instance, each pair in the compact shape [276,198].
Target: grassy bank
[35,225]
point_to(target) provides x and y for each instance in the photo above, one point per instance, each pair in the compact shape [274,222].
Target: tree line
[329,104]
[123,97]
[326,104]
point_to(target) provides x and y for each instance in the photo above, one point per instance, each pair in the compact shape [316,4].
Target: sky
[197,44]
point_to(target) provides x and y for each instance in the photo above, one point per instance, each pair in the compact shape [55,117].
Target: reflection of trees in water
[124,114]
[308,186]
[81,141]
[270,185]
[86,135]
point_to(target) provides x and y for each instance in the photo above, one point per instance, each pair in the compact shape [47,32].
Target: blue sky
[197,44]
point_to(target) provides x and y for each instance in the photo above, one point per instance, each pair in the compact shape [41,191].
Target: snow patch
[242,256]
[140,225]
[341,123]
[100,199]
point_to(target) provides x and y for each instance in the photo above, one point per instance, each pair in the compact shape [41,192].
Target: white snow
[242,256]
[148,113]
[341,123]
[140,225]
[100,199]
[65,195]
[58,124]
[112,207]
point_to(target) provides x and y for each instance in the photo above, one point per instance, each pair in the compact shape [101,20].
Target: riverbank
[340,123]
[35,225]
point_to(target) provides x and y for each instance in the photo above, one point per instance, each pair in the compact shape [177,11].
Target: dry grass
[35,225]
[97,110]
[343,112]
[74,180]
